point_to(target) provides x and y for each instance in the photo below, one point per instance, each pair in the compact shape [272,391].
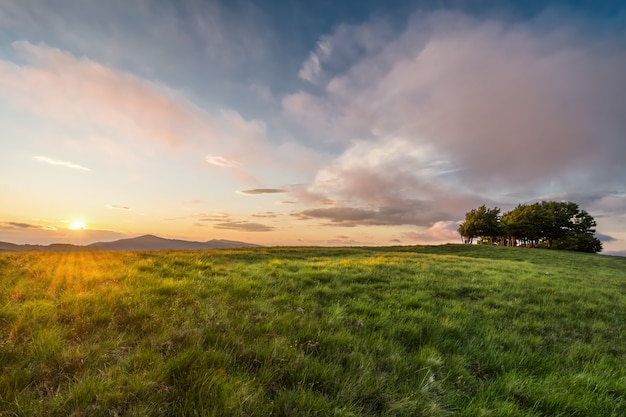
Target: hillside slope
[404,331]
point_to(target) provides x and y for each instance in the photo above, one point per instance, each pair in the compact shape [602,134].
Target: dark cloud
[405,212]
[267,214]
[243,226]
[605,238]
[18,225]
[117,207]
[260,191]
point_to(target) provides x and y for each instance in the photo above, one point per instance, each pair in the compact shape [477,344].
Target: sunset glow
[77,225]
[306,123]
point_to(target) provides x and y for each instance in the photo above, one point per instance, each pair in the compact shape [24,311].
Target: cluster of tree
[551,224]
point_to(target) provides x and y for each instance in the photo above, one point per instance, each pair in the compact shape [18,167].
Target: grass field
[404,331]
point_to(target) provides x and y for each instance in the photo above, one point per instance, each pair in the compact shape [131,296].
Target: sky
[306,122]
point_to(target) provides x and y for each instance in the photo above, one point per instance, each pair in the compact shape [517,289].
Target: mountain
[145,242]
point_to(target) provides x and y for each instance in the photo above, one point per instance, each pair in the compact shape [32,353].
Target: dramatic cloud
[243,226]
[262,191]
[501,105]
[394,126]
[65,164]
[391,182]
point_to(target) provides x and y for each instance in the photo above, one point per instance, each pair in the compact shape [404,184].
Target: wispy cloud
[116,207]
[65,164]
[219,217]
[262,191]
[19,225]
[267,214]
[86,96]
[243,226]
[220,161]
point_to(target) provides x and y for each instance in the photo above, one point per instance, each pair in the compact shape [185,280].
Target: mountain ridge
[143,242]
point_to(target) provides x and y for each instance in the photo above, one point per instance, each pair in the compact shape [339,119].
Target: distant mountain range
[145,242]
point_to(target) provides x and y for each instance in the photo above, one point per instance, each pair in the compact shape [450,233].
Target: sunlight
[77,224]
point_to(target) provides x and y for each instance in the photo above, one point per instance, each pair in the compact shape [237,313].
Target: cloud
[56,85]
[342,242]
[336,53]
[605,238]
[214,217]
[127,111]
[439,232]
[267,214]
[262,191]
[615,253]
[389,182]
[65,164]
[502,105]
[403,213]
[243,226]
[116,207]
[609,204]
[220,161]
[19,225]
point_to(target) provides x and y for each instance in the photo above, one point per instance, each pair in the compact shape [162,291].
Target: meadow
[398,331]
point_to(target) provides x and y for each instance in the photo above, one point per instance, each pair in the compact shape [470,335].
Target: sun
[77,224]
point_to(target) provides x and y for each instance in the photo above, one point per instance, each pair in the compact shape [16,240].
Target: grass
[403,331]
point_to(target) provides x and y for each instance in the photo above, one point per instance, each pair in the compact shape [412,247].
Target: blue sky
[292,122]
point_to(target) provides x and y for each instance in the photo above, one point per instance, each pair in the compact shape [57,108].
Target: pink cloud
[439,232]
[505,104]
[126,112]
[58,86]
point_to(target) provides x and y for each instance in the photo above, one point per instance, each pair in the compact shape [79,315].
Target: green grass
[404,331]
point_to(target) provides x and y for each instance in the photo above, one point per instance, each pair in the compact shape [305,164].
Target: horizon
[306,124]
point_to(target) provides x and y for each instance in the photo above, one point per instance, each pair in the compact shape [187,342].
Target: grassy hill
[405,331]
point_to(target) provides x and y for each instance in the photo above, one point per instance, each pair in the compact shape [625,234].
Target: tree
[559,225]
[480,222]
[557,220]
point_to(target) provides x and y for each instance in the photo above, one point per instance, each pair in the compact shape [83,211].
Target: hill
[145,242]
[405,331]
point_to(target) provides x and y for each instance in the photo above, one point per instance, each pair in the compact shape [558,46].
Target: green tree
[481,222]
[553,224]
[557,220]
